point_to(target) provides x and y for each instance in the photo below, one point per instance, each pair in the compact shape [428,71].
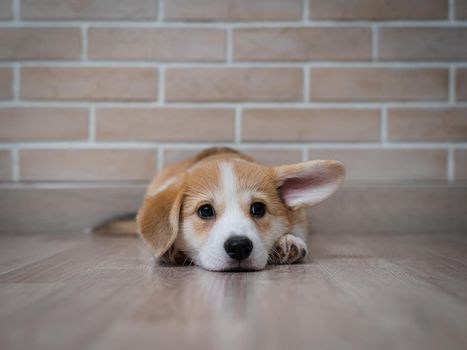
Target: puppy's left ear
[158,218]
[308,183]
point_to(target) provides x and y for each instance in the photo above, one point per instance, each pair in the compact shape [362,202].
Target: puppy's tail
[121,225]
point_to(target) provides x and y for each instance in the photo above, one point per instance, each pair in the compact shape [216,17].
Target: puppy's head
[228,215]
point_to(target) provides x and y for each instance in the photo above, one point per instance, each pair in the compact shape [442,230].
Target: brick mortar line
[15,163]
[160,11]
[304,154]
[374,43]
[16,8]
[49,184]
[305,11]
[450,171]
[245,145]
[142,184]
[233,105]
[306,84]
[16,82]
[238,125]
[384,125]
[229,45]
[451,10]
[238,64]
[452,85]
[161,85]
[84,42]
[92,124]
[160,158]
[239,24]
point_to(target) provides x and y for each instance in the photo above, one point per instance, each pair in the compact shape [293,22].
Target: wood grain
[360,291]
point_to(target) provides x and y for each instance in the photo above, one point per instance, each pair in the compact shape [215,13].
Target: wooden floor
[360,291]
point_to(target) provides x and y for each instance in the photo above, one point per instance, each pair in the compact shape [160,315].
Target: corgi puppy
[223,211]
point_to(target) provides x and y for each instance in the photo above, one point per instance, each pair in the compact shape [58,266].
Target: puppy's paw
[288,249]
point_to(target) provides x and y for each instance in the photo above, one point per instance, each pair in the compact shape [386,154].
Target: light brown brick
[270,156]
[164,44]
[378,84]
[297,125]
[174,155]
[301,44]
[423,43]
[274,156]
[378,9]
[5,165]
[388,164]
[40,43]
[90,9]
[88,83]
[427,124]
[31,124]
[87,164]
[460,9]
[6,83]
[233,10]
[165,124]
[5,9]
[234,84]
[460,161]
[461,84]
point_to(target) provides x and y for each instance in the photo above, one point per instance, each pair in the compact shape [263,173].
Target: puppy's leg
[175,257]
[291,248]
[288,249]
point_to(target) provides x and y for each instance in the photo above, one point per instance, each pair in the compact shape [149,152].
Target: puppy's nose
[238,247]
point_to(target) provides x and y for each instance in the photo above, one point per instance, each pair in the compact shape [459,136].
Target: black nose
[238,247]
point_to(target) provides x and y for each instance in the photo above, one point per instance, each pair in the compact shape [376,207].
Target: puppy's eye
[206,212]
[258,209]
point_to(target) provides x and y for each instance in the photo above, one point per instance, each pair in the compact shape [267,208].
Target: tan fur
[257,177]
[152,216]
[158,218]
[117,227]
[124,224]
[175,195]
[173,170]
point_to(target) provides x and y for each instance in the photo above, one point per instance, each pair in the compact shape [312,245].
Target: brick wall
[113,90]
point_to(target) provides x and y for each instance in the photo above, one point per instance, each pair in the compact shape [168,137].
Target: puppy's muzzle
[238,247]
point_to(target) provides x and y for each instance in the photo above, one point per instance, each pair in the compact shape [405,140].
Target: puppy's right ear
[158,218]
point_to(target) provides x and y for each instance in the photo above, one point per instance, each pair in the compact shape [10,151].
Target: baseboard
[64,207]
[355,207]
[395,207]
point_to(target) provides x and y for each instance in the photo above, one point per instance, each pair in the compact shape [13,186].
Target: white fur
[285,244]
[164,185]
[232,222]
[323,181]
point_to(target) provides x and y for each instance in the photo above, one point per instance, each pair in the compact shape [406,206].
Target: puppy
[223,211]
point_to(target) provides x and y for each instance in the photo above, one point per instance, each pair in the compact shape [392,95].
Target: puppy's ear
[308,183]
[158,218]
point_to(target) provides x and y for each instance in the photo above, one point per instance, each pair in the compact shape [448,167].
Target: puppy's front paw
[288,249]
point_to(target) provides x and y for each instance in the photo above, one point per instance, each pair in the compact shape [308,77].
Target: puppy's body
[222,210]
